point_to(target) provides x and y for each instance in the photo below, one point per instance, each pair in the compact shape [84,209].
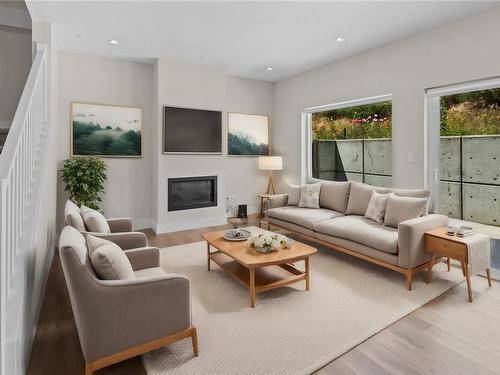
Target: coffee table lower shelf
[260,279]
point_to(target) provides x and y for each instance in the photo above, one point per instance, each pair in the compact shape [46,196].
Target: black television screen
[192,130]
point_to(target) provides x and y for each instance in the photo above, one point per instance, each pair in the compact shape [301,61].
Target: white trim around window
[306,159]
[349,103]
[459,88]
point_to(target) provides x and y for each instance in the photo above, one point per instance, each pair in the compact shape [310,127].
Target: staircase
[22,165]
[3,137]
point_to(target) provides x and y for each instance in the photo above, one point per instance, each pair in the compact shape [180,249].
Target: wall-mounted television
[191,131]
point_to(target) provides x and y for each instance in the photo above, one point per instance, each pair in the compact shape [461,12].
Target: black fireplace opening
[186,193]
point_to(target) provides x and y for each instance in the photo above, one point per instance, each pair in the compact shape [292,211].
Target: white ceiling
[243,38]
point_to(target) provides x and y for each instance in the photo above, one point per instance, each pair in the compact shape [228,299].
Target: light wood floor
[446,336]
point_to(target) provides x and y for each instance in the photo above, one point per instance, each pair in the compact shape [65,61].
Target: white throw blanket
[479,252]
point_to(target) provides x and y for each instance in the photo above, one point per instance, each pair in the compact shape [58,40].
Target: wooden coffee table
[259,272]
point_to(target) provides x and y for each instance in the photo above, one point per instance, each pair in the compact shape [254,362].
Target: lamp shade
[270,163]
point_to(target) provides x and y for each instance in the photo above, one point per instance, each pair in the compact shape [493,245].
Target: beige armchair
[121,229]
[120,319]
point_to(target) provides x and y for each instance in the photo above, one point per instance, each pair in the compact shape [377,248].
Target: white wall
[15,64]
[460,51]
[109,81]
[200,86]
[137,188]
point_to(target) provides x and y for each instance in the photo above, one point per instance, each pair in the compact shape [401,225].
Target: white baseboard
[190,224]
[143,224]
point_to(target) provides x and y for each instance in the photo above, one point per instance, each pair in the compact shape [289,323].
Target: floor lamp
[270,164]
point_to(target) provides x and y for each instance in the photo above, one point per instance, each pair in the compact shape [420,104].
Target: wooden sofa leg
[194,340]
[409,279]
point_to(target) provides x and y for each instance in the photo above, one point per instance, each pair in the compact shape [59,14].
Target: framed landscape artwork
[104,130]
[247,135]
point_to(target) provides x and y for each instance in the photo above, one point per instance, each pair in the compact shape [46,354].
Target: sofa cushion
[309,195]
[415,193]
[293,194]
[73,216]
[334,195]
[403,208]
[94,220]
[361,230]
[305,217]
[288,225]
[108,259]
[359,197]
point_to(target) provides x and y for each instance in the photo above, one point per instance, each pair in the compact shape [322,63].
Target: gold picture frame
[106,130]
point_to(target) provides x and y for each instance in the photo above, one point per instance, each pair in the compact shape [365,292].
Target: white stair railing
[21,170]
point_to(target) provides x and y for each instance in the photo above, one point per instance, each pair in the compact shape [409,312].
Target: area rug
[290,331]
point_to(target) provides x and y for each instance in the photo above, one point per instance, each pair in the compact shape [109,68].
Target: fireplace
[186,193]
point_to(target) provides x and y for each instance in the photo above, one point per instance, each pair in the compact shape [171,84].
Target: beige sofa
[340,224]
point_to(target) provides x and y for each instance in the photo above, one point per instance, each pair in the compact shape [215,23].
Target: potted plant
[84,179]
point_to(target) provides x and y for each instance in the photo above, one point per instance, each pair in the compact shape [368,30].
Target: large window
[469,174]
[352,142]
[463,170]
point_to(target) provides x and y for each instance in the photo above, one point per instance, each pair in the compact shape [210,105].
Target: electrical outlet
[411,157]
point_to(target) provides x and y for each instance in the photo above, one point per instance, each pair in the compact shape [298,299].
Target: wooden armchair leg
[90,367]
[194,340]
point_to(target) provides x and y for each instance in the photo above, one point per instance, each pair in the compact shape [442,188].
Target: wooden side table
[439,243]
[263,198]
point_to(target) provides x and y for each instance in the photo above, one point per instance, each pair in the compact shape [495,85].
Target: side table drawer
[446,247]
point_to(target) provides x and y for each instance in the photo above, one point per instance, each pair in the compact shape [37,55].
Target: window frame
[306,159]
[432,118]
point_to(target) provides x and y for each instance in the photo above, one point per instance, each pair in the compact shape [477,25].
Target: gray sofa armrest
[143,257]
[411,239]
[126,240]
[121,314]
[278,200]
[120,225]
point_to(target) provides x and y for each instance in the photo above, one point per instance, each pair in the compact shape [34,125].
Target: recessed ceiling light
[113,42]
[339,39]
[269,68]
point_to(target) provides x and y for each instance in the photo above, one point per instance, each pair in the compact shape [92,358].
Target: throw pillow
[309,196]
[108,259]
[359,197]
[73,216]
[94,221]
[403,208]
[293,195]
[377,206]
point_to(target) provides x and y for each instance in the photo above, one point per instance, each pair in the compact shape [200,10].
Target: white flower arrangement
[267,242]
